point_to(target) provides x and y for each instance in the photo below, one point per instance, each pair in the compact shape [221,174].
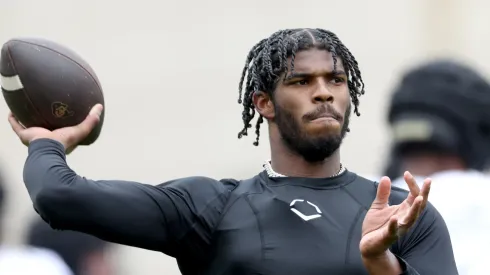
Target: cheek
[293,105]
[342,99]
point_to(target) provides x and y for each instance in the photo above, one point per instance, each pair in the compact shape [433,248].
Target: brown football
[47,85]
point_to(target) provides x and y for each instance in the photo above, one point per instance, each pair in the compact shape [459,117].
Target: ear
[264,105]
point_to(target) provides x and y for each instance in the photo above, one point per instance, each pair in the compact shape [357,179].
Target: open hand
[68,136]
[383,223]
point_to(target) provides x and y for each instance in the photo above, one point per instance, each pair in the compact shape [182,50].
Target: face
[311,109]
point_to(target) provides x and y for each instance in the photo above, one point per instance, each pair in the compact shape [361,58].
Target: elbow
[55,204]
[48,199]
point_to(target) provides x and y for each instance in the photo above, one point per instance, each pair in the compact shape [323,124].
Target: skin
[315,85]
[300,96]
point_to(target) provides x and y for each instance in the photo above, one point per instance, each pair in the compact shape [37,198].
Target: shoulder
[200,184]
[429,228]
[367,187]
[427,246]
[198,188]
[205,185]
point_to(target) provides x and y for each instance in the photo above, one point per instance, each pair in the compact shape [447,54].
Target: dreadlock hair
[267,61]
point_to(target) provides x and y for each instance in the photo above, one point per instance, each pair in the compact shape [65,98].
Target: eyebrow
[305,75]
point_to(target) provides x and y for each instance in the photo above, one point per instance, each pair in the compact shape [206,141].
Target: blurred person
[31,261]
[440,122]
[83,253]
[393,169]
[305,213]
[26,260]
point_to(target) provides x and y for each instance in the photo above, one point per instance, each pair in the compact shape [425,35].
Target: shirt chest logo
[303,204]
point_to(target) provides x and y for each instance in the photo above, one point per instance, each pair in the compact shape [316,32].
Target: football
[46,84]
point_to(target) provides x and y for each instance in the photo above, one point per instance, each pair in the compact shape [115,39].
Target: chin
[324,132]
[317,149]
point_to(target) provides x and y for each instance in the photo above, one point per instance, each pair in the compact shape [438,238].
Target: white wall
[170,70]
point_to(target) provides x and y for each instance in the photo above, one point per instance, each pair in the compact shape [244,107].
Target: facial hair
[312,149]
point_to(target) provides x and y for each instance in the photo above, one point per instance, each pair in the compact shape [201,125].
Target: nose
[322,94]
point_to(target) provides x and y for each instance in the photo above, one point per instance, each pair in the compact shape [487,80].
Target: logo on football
[61,110]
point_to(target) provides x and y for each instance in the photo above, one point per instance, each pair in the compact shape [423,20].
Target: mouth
[327,118]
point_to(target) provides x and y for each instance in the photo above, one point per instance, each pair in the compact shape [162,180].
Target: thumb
[383,192]
[83,129]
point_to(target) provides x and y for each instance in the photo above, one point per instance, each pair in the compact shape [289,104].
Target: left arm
[427,248]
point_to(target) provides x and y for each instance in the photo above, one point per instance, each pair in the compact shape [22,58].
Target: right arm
[145,216]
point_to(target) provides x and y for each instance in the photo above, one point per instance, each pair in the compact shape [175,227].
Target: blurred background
[170,72]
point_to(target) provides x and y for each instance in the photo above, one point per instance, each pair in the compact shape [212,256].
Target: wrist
[41,136]
[50,138]
[385,263]
[43,142]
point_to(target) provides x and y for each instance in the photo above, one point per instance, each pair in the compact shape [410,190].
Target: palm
[383,223]
[69,137]
[376,226]
[28,134]
[61,135]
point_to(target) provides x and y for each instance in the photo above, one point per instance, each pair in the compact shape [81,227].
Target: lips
[326,117]
[324,112]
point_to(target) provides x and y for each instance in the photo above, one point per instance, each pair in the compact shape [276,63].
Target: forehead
[314,60]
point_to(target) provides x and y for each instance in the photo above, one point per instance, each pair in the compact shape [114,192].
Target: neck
[290,164]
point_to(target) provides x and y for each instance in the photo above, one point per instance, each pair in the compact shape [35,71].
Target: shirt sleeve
[426,248]
[171,217]
[406,268]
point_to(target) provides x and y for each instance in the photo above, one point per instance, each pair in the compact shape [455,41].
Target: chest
[276,233]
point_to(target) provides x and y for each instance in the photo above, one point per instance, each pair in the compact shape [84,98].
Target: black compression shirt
[257,226]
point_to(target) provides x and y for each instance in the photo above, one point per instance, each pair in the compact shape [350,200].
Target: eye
[302,82]
[337,80]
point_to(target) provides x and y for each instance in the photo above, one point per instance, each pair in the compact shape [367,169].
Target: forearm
[387,264]
[117,211]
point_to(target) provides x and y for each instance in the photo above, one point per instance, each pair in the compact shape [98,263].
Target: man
[304,214]
[84,254]
[441,129]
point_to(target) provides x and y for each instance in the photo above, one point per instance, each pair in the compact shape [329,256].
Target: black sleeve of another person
[426,248]
[171,217]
